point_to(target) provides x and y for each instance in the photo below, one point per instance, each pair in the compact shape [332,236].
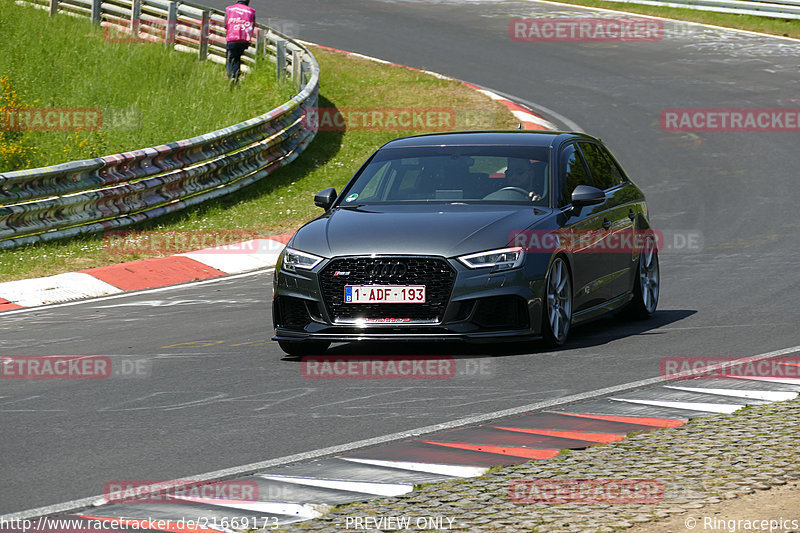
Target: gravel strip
[703,462]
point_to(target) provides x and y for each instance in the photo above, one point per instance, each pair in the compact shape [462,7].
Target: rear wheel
[647,284]
[557,316]
[301,348]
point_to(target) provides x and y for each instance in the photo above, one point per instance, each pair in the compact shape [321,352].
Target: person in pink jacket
[240,22]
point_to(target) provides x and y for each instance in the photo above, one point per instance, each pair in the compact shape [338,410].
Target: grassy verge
[774,26]
[147,95]
[283,200]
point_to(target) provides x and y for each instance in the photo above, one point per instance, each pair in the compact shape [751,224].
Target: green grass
[284,200]
[774,26]
[147,94]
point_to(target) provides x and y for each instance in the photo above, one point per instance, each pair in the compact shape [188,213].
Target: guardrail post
[53,7]
[280,57]
[205,22]
[172,23]
[295,65]
[261,42]
[305,68]
[136,16]
[97,6]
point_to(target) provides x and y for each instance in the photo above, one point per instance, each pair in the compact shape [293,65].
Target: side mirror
[325,198]
[584,195]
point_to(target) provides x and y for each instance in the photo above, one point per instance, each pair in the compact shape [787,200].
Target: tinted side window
[602,174]
[619,176]
[572,173]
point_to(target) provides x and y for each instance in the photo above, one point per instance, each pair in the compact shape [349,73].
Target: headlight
[294,259]
[504,259]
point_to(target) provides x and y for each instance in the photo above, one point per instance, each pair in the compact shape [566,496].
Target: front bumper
[481,307]
[408,335]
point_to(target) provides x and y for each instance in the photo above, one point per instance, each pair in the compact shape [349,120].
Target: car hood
[442,229]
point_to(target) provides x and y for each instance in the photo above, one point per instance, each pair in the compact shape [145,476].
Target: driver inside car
[522,173]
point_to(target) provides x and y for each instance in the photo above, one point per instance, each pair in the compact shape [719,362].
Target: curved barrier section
[117,190]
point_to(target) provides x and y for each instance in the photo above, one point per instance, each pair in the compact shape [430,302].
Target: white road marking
[769,395]
[303,510]
[367,487]
[55,289]
[689,406]
[429,468]
[135,293]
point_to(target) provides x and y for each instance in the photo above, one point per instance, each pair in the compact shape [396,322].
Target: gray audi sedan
[474,236]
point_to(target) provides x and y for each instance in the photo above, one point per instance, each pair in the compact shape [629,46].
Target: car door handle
[632,214]
[606,223]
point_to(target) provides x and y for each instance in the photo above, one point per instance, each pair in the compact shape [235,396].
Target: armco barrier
[117,190]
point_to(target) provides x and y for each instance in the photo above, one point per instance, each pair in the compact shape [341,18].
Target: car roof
[487,138]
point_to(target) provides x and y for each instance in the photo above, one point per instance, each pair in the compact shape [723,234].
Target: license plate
[384,294]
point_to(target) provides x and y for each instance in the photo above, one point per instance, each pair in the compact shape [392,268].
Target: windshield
[492,174]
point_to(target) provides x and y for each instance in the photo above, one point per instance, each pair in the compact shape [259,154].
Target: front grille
[435,273]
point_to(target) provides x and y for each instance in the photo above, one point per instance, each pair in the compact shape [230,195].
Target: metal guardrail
[110,192]
[785,9]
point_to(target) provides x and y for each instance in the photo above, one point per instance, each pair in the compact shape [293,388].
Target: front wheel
[647,283]
[301,348]
[557,316]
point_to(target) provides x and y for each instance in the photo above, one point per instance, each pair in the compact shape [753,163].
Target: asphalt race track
[211,391]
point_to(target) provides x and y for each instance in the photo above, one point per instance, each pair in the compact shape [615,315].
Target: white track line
[769,395]
[303,510]
[134,293]
[368,487]
[428,468]
[70,286]
[688,406]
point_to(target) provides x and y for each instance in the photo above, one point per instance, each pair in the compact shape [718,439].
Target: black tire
[557,304]
[647,284]
[301,348]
